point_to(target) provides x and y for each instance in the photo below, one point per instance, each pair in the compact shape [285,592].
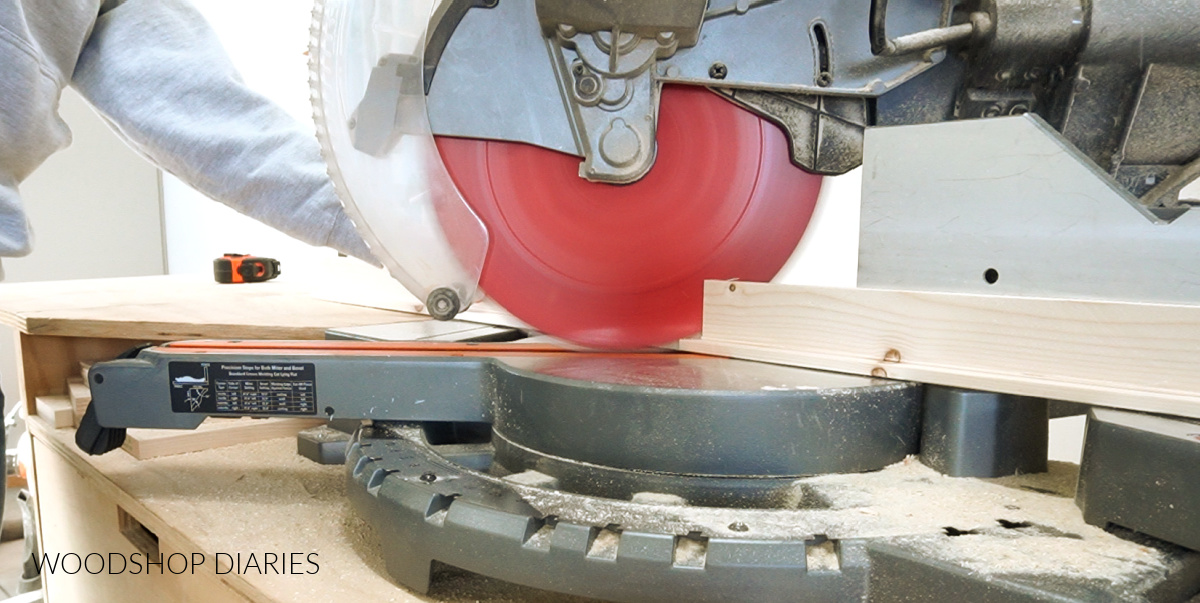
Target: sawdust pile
[1017,525]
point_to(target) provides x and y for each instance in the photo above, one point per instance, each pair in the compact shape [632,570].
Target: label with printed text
[243,388]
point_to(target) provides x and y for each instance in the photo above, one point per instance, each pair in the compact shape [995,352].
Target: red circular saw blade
[622,266]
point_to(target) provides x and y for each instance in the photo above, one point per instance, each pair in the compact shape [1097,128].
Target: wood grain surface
[179,307]
[212,433]
[1124,355]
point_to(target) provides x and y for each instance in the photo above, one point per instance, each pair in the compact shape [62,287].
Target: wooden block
[1137,356]
[46,362]
[80,395]
[84,367]
[212,433]
[56,410]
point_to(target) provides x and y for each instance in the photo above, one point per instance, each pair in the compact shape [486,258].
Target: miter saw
[587,163]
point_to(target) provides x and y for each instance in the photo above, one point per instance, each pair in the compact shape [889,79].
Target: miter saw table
[624,476]
[905,522]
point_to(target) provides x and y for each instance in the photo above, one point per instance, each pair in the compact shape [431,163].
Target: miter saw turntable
[587,163]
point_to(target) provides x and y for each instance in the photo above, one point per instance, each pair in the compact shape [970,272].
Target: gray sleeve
[158,74]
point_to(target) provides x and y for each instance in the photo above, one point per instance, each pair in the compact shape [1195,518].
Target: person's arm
[158,73]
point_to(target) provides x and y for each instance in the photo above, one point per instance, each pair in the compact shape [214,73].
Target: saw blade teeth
[317,64]
[402,186]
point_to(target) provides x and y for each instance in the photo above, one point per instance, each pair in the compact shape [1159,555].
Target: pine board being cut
[212,433]
[1138,356]
[161,308]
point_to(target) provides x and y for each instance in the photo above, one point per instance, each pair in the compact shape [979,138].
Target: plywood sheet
[81,517]
[250,498]
[178,307]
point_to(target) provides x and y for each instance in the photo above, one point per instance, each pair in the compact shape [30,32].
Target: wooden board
[1123,355]
[159,308]
[46,362]
[56,410]
[80,395]
[212,433]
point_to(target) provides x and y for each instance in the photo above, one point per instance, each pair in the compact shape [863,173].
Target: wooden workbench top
[180,307]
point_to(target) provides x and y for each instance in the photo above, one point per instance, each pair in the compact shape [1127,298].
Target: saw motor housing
[1112,76]
[1108,81]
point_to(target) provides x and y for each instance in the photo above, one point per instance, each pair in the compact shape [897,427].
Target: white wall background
[94,207]
[828,254]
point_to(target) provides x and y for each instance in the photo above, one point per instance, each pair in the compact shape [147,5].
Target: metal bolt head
[587,86]
[718,71]
[738,526]
[428,477]
[443,303]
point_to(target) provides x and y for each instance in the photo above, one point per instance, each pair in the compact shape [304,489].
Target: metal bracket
[607,81]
